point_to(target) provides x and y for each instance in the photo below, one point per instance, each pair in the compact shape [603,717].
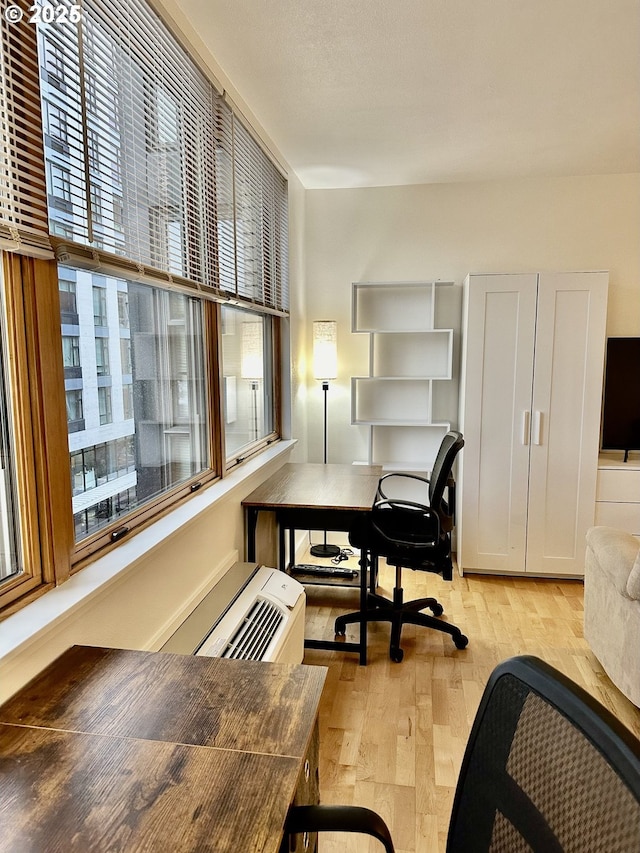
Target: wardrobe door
[495,409]
[565,420]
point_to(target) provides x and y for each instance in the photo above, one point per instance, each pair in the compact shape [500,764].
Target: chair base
[399,613]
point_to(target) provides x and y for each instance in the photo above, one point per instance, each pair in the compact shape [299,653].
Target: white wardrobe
[533,350]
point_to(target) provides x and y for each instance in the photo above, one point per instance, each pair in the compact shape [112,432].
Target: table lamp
[325,367]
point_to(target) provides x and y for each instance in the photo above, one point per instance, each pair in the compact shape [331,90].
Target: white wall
[446,231]
[298,322]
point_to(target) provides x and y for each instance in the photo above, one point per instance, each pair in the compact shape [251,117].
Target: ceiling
[383,92]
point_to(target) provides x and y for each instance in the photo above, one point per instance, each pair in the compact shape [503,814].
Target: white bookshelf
[407,356]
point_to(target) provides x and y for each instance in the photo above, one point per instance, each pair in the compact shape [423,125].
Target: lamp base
[324,550]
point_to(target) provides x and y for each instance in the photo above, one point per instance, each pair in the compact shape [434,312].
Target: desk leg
[252,522]
[292,547]
[363,606]
[282,557]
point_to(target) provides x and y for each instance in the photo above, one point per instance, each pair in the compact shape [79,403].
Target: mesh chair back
[450,446]
[546,769]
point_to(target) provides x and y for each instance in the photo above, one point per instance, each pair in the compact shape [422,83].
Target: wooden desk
[309,496]
[140,751]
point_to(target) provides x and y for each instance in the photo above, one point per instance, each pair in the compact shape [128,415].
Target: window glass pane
[247,377]
[138,410]
[10,552]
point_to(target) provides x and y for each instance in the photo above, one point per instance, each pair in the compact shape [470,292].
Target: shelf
[387,400]
[393,306]
[415,446]
[407,355]
[425,355]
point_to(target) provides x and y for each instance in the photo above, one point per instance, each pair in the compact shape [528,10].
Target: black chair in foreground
[546,769]
[411,535]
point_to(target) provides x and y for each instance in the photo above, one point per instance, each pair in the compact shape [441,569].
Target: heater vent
[253,613]
[253,636]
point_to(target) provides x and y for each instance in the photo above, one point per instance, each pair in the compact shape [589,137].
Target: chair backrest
[547,768]
[451,445]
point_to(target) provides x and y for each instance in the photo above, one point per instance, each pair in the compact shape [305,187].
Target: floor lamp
[325,367]
[252,364]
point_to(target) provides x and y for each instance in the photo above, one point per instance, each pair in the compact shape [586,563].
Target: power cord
[344,554]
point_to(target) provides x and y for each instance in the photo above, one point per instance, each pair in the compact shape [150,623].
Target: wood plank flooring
[392,735]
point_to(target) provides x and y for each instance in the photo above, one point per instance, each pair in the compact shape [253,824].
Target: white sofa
[612,606]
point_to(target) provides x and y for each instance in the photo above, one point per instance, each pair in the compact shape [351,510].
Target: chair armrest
[424,480]
[339,819]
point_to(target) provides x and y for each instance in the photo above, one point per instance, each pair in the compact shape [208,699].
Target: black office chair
[410,535]
[546,769]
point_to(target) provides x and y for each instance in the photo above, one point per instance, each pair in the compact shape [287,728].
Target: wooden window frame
[38,407]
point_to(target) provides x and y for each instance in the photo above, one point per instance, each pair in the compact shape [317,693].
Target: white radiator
[260,618]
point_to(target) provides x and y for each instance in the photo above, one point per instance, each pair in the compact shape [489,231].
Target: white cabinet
[618,493]
[408,355]
[533,349]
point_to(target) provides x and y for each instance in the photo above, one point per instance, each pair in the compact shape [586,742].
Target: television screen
[621,406]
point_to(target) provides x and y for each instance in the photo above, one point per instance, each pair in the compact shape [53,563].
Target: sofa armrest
[615,554]
[633,584]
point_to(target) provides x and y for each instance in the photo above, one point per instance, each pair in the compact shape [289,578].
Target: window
[125,356]
[104,405]
[248,378]
[118,213]
[60,187]
[68,302]
[93,149]
[96,205]
[55,64]
[164,405]
[57,127]
[137,176]
[71,351]
[90,90]
[123,312]
[75,412]
[127,402]
[102,356]
[74,406]
[99,305]
[60,229]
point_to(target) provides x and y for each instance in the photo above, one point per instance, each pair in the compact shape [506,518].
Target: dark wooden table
[310,496]
[140,751]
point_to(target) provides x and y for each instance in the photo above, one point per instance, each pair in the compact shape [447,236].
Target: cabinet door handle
[537,428]
[526,417]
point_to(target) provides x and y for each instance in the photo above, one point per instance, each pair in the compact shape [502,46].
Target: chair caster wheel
[339,630]
[396,655]
[461,642]
[437,609]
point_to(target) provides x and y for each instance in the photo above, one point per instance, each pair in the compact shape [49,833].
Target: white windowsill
[25,626]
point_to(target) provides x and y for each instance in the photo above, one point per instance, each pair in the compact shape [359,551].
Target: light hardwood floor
[392,735]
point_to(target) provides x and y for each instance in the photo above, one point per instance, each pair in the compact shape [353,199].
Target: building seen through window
[138,418]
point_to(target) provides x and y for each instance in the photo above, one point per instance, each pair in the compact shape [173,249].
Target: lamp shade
[325,349]
[252,351]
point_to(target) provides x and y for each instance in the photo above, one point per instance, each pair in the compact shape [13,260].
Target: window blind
[260,221]
[150,164]
[23,199]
